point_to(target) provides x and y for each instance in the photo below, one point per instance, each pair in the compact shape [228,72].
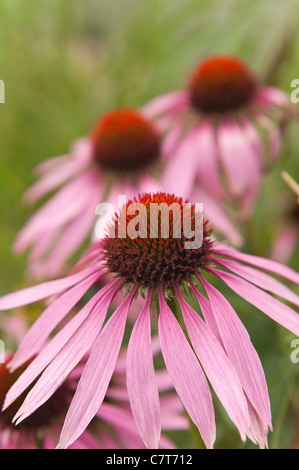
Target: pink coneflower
[286,235]
[117,157]
[222,132]
[121,156]
[166,273]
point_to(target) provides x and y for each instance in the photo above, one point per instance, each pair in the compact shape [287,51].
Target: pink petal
[241,352]
[141,381]
[72,349]
[58,210]
[42,245]
[272,307]
[284,243]
[272,96]
[261,279]
[73,236]
[165,103]
[217,367]
[52,180]
[207,311]
[171,139]
[96,376]
[122,422]
[45,356]
[254,165]
[44,290]
[206,159]
[186,373]
[49,164]
[257,430]
[180,174]
[241,164]
[49,319]
[263,263]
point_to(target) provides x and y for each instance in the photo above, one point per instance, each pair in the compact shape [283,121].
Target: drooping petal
[30,295]
[186,373]
[179,176]
[261,279]
[279,312]
[50,164]
[49,319]
[58,210]
[72,236]
[96,375]
[217,367]
[51,180]
[141,381]
[266,264]
[207,311]
[257,430]
[241,352]
[165,103]
[207,159]
[171,139]
[254,165]
[241,164]
[269,96]
[68,357]
[41,361]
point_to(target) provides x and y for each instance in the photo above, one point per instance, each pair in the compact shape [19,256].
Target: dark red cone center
[221,84]
[149,246]
[125,141]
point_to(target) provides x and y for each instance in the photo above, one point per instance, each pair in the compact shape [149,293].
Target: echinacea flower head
[117,157]
[43,426]
[222,132]
[206,341]
[121,155]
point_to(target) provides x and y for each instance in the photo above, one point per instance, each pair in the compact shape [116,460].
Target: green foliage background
[66,62]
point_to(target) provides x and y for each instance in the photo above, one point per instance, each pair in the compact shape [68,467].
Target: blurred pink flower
[121,156]
[43,427]
[167,274]
[286,236]
[115,427]
[221,133]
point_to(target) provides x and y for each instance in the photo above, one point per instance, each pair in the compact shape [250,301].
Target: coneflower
[121,155]
[222,132]
[197,343]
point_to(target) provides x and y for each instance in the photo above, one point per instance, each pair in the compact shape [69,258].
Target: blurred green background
[66,62]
